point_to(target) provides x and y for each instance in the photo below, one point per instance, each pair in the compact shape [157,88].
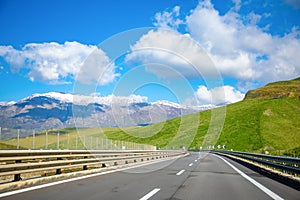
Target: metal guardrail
[281,163]
[15,163]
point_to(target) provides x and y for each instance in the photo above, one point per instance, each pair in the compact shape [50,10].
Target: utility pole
[91,144]
[18,139]
[58,140]
[84,141]
[82,120]
[76,142]
[33,137]
[68,140]
[46,140]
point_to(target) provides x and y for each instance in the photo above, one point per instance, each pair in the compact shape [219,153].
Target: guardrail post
[58,171]
[17,177]
[85,166]
[33,138]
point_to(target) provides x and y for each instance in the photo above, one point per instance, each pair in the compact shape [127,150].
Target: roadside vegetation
[267,121]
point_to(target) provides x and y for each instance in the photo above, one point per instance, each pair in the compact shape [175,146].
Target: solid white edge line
[76,179]
[254,182]
[180,172]
[150,194]
[191,164]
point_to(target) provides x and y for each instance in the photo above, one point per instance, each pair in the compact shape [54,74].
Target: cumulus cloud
[218,96]
[97,68]
[178,53]
[237,5]
[240,48]
[59,63]
[168,19]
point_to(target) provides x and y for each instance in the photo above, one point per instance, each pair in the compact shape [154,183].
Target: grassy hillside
[70,138]
[251,125]
[279,89]
[266,121]
[261,125]
[67,139]
[4,146]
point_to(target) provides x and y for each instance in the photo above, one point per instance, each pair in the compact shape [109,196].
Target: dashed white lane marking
[196,160]
[150,194]
[180,172]
[191,164]
[257,184]
[74,179]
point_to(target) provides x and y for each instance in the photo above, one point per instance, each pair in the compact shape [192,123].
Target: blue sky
[195,51]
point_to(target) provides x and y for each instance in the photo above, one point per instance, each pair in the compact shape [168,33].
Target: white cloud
[240,48]
[237,4]
[253,18]
[168,19]
[58,63]
[97,68]
[218,96]
[169,54]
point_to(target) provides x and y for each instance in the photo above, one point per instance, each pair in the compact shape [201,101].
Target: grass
[70,138]
[279,89]
[67,139]
[164,132]
[4,146]
[261,125]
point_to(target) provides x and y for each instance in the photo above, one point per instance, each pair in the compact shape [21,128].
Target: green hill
[276,90]
[267,120]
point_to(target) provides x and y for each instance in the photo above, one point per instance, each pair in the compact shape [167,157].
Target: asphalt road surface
[196,176]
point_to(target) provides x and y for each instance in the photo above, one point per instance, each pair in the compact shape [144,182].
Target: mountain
[261,124]
[267,120]
[58,110]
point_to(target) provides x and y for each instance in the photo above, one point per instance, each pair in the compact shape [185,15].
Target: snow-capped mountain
[57,110]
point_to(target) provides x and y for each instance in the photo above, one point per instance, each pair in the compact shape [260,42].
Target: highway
[195,176]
